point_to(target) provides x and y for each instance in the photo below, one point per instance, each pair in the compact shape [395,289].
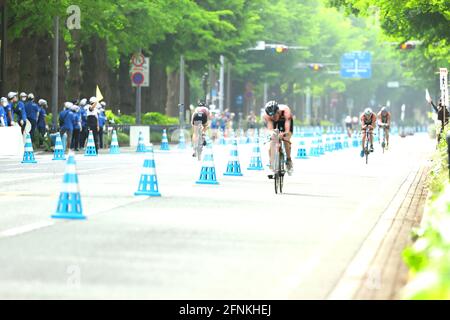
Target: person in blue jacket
[3,114]
[76,127]
[101,122]
[17,109]
[32,111]
[66,123]
[41,124]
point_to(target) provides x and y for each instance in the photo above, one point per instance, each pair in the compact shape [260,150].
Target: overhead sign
[393,84]
[356,65]
[443,84]
[140,71]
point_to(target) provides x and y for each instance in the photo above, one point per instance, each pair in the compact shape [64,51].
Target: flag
[427,96]
[98,94]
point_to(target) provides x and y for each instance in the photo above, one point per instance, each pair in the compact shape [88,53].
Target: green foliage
[127,119]
[156,118]
[429,257]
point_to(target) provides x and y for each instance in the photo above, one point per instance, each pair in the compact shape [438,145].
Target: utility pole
[139,100]
[181,103]
[228,100]
[4,42]
[55,73]
[222,71]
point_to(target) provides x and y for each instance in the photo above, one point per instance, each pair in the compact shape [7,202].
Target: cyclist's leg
[363,132]
[371,139]
[386,134]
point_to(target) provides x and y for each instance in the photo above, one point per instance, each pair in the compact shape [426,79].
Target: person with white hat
[17,108]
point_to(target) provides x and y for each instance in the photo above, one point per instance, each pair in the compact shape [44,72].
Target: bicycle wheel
[276,179]
[281,172]
[199,143]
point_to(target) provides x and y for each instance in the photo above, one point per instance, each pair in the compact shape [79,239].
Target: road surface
[235,240]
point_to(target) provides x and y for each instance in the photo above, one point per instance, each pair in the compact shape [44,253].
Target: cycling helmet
[11,95]
[42,102]
[383,110]
[201,104]
[367,112]
[83,102]
[30,96]
[93,100]
[3,102]
[271,108]
[103,103]
[23,95]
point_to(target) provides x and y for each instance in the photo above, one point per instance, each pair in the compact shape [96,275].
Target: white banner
[443,84]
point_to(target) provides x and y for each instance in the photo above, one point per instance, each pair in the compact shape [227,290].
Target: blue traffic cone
[28,154]
[69,203]
[149,148]
[256,161]
[314,150]
[208,171]
[114,147]
[221,138]
[242,137]
[301,151]
[233,166]
[58,154]
[164,142]
[90,148]
[148,183]
[182,141]
[141,145]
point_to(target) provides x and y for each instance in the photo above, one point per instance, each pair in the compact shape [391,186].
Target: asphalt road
[235,240]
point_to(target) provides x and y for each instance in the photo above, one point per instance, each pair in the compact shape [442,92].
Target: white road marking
[24,229]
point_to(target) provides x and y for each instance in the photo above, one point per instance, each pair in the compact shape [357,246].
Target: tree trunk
[126,100]
[12,65]
[158,88]
[173,95]
[44,68]
[28,64]
[95,68]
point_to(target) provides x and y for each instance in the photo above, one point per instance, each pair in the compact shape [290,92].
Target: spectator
[101,122]
[442,113]
[76,127]
[3,112]
[66,123]
[41,124]
[92,119]
[32,111]
[84,130]
[17,108]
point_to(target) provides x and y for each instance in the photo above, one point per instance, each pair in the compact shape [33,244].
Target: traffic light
[407,45]
[281,49]
[316,66]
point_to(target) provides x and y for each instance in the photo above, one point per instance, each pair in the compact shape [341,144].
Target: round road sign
[137,78]
[138,60]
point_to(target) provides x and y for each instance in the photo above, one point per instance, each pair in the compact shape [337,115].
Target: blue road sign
[356,64]
[137,78]
[239,100]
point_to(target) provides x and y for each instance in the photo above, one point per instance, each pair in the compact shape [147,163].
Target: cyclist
[279,116]
[368,122]
[384,121]
[348,125]
[201,113]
